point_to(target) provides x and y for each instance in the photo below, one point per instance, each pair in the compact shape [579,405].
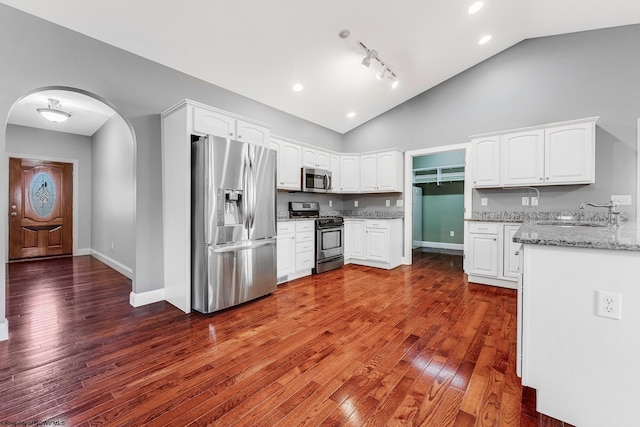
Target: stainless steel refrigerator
[233,223]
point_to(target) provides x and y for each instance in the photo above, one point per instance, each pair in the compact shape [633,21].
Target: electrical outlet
[624,200]
[387,203]
[608,304]
[525,201]
[452,233]
[399,203]
[355,203]
[113,245]
[484,201]
[534,201]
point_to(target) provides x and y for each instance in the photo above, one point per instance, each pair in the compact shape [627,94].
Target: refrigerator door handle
[253,188]
[246,206]
[239,246]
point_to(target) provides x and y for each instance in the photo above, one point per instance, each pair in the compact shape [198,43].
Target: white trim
[119,267]
[144,298]
[85,251]
[441,245]
[76,174]
[638,173]
[4,330]
[408,193]
[494,281]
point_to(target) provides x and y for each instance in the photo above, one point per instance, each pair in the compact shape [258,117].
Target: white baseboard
[119,267]
[439,245]
[4,330]
[85,251]
[144,298]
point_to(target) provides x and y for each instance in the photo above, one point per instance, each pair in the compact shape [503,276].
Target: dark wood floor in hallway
[358,346]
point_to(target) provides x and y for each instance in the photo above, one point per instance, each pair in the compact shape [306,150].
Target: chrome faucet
[613,215]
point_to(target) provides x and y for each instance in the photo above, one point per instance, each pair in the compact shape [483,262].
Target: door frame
[408,193]
[75,163]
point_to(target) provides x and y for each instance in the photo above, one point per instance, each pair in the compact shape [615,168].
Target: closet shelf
[438,174]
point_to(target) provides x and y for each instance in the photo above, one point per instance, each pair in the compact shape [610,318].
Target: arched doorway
[100,144]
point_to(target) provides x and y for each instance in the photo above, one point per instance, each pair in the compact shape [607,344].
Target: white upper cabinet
[314,158]
[289,164]
[381,172]
[555,154]
[252,133]
[523,158]
[335,173]
[569,153]
[349,174]
[208,122]
[485,154]
[369,172]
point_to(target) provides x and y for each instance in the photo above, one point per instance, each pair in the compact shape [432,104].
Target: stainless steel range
[329,235]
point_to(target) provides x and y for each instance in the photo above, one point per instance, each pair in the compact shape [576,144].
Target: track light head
[366,62]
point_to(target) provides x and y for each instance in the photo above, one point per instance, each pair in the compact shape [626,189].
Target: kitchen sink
[571,223]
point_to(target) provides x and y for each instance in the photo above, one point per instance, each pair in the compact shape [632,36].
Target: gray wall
[59,145]
[112,227]
[37,54]
[538,81]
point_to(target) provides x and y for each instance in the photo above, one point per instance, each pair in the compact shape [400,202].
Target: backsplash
[521,216]
[373,214]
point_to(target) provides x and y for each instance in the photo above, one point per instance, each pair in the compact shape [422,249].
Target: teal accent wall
[439,159]
[443,212]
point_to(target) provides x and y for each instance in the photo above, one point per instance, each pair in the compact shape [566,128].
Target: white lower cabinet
[286,249]
[511,254]
[375,243]
[296,249]
[492,257]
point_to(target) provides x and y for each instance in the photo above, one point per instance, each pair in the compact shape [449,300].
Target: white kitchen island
[584,367]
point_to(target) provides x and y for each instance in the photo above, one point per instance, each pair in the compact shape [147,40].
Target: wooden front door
[40,208]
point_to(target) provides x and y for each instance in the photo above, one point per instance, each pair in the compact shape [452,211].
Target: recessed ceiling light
[484,39]
[475,7]
[297,87]
[351,115]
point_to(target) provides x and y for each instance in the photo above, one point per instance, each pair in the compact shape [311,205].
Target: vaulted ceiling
[261,48]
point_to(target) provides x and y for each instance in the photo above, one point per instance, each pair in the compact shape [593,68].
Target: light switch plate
[387,203]
[525,201]
[355,203]
[622,200]
[399,203]
[330,203]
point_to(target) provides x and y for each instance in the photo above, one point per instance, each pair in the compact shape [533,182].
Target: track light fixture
[383,69]
[54,112]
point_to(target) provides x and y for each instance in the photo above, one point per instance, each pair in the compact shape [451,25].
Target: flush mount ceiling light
[383,69]
[54,112]
[351,115]
[297,87]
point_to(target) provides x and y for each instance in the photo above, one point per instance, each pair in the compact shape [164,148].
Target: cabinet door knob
[540,178]
[14,214]
[516,253]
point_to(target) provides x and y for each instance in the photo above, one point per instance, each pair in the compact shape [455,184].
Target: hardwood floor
[417,345]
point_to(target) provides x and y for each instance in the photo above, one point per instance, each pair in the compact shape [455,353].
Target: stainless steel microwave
[316,180]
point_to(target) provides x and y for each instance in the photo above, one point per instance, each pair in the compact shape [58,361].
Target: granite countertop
[349,214]
[579,235]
